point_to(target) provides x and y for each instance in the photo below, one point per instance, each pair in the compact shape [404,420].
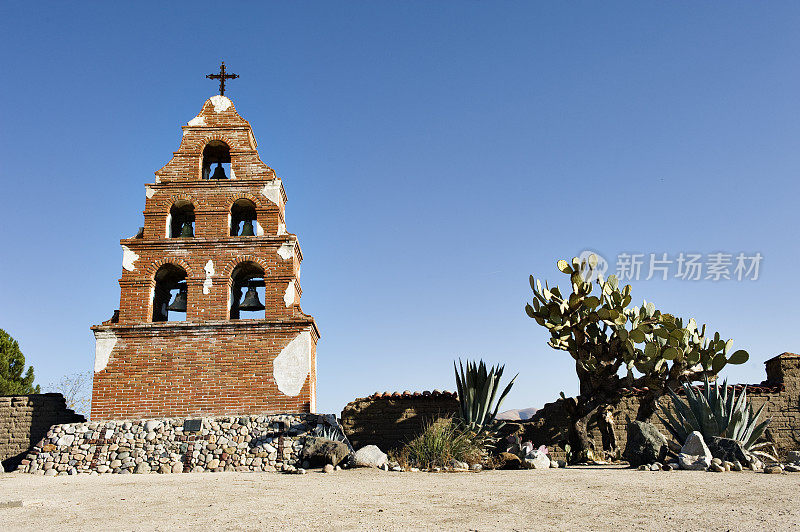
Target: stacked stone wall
[247,443]
[25,419]
[390,420]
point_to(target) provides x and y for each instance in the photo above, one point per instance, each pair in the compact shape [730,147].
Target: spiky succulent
[477,391]
[329,433]
[714,412]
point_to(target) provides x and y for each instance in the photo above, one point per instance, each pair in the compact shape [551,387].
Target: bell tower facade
[209,321]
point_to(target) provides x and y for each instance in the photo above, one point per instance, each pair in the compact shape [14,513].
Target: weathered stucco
[128,258]
[272,191]
[292,366]
[208,283]
[197,121]
[104,342]
[286,251]
[221,103]
[289,294]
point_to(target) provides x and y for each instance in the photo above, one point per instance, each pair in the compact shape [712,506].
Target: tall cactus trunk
[605,422]
[578,433]
[647,407]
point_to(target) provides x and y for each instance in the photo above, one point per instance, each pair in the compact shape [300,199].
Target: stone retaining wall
[25,419]
[238,443]
[390,420]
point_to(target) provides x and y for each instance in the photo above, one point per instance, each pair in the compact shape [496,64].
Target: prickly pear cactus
[597,325]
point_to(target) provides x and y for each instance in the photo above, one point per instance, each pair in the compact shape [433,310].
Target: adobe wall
[25,419]
[780,395]
[390,420]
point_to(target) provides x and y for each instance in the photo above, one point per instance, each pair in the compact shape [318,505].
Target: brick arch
[233,198]
[154,266]
[200,144]
[170,201]
[229,267]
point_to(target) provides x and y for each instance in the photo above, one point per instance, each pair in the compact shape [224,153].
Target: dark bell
[186,230]
[219,172]
[247,228]
[250,301]
[179,303]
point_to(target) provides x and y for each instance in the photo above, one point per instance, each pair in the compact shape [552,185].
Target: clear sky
[434,154]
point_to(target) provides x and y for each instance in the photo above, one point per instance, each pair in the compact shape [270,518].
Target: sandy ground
[593,498]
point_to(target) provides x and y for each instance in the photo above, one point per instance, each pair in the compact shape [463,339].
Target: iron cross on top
[222,76]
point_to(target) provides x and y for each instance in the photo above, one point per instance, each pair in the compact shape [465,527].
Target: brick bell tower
[209,320]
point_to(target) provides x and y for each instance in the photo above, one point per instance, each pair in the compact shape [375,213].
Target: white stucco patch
[128,258]
[289,294]
[149,191]
[281,229]
[104,344]
[221,103]
[197,121]
[286,251]
[258,228]
[293,365]
[209,268]
[272,191]
[233,174]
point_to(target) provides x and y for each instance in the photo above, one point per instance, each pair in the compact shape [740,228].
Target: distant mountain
[519,414]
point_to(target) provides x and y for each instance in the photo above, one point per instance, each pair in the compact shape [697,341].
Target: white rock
[151,425]
[694,454]
[370,456]
[66,440]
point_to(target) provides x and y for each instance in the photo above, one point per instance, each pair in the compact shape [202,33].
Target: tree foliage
[77,391]
[607,336]
[12,365]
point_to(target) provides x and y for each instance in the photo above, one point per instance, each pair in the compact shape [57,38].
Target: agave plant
[713,411]
[329,433]
[477,391]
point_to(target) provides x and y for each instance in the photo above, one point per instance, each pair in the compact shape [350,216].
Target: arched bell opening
[216,160]
[243,218]
[247,292]
[180,223]
[170,294]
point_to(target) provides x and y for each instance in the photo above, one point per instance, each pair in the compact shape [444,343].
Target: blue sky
[434,154]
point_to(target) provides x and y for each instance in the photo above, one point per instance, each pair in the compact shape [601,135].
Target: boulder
[695,454]
[321,451]
[370,456]
[645,444]
[539,461]
[510,461]
[727,450]
[793,456]
[459,465]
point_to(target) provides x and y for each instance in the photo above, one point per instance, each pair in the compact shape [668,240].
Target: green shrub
[441,442]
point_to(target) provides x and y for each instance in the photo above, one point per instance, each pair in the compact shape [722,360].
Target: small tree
[604,335]
[77,391]
[12,364]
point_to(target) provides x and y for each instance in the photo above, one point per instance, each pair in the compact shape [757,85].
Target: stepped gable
[209,321]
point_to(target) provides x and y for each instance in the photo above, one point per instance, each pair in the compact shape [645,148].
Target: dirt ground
[589,498]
